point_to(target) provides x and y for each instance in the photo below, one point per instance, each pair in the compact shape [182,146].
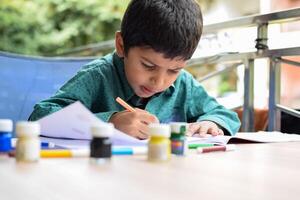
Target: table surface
[252,171]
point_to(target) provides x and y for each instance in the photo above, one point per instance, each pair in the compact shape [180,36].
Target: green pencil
[195,146]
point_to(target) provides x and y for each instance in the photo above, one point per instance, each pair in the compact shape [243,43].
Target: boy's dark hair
[170,27]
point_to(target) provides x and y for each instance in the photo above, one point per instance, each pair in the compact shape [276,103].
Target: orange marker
[124,104]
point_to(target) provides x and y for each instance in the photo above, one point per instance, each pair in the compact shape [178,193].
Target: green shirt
[98,84]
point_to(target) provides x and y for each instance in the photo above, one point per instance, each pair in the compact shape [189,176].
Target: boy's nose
[157,80]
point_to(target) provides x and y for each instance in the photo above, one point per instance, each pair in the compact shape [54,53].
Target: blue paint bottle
[6,127]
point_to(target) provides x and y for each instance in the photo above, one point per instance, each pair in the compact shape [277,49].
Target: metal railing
[275,56]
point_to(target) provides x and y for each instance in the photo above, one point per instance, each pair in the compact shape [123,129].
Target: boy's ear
[119,44]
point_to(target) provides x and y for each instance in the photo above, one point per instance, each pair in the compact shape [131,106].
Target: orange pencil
[124,104]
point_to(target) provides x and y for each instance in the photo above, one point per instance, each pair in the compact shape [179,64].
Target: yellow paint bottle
[159,146]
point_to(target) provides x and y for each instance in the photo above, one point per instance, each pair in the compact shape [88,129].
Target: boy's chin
[143,95]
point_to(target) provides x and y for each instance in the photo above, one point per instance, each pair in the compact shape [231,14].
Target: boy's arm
[47,107]
[202,107]
[83,87]
[52,105]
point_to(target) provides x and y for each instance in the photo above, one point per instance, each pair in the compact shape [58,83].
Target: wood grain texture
[253,171]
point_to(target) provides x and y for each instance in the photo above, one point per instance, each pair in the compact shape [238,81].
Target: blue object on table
[129,150]
[5,141]
[47,145]
[122,151]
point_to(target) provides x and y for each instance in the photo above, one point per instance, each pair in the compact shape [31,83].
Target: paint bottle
[6,127]
[28,143]
[178,141]
[159,147]
[101,145]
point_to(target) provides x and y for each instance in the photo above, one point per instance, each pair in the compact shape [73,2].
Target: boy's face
[149,72]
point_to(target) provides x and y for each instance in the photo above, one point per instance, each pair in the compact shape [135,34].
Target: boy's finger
[148,118]
[143,129]
[203,130]
[214,131]
[142,136]
[193,127]
[221,132]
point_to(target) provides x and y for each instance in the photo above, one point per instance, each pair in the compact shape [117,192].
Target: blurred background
[53,27]
[50,27]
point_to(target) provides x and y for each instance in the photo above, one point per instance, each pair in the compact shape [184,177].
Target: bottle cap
[159,130]
[102,130]
[25,128]
[176,127]
[6,125]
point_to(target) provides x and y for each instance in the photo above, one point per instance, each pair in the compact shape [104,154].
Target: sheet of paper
[262,136]
[241,137]
[265,137]
[74,122]
[209,139]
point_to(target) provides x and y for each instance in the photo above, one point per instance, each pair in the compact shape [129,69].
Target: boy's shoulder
[185,77]
[101,63]
[186,81]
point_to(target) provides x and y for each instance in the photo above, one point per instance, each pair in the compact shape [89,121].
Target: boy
[157,38]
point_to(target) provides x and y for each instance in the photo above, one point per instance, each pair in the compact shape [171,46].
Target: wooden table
[253,171]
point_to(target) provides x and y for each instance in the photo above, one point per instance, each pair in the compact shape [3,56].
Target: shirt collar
[171,89]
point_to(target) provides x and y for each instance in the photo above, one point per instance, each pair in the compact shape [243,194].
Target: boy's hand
[204,127]
[134,123]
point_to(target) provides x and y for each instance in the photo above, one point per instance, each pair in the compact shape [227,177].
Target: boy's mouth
[147,91]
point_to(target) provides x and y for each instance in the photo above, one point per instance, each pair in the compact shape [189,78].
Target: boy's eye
[174,71]
[150,67]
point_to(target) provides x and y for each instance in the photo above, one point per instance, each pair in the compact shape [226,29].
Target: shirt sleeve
[202,107]
[105,116]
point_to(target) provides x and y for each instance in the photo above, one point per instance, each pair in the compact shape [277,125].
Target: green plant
[49,27]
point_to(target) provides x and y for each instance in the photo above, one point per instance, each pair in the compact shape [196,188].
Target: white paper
[221,140]
[74,122]
[262,136]
[267,137]
[208,139]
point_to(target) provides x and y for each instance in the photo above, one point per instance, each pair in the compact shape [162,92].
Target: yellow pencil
[73,153]
[124,104]
[64,153]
